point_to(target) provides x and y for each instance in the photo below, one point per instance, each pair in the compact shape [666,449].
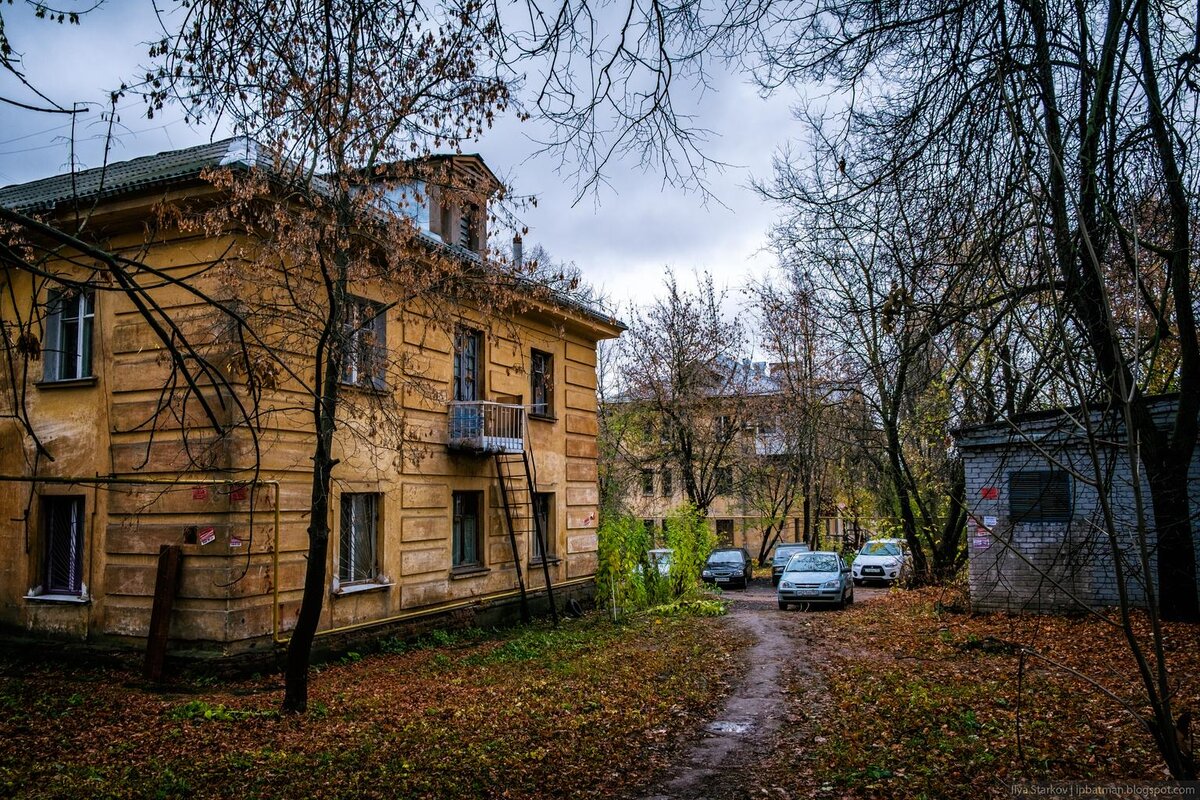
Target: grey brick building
[1037,530]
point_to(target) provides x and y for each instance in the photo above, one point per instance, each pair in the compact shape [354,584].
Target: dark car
[728,566]
[784,551]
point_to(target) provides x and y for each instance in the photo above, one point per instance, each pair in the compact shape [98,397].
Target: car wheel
[782,606]
[850,600]
[774,582]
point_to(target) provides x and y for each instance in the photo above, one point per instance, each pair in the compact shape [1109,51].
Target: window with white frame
[365,331]
[62,532]
[357,550]
[70,321]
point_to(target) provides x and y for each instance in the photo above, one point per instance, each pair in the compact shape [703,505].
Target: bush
[691,539]
[626,581]
[621,582]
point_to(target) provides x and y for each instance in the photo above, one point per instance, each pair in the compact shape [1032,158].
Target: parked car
[880,560]
[783,552]
[820,577]
[660,560]
[728,566]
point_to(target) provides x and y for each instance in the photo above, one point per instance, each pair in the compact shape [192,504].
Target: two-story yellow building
[102,465]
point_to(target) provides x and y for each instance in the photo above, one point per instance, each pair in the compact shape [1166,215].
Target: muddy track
[731,758]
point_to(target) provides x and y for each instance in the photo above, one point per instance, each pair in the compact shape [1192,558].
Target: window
[69,323]
[466,228]
[468,346]
[365,331]
[357,562]
[467,529]
[543,509]
[725,532]
[724,427]
[649,527]
[541,383]
[724,478]
[668,483]
[648,482]
[1039,496]
[62,569]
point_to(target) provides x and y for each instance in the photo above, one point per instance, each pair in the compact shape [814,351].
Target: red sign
[199,492]
[237,493]
[989,493]
[207,536]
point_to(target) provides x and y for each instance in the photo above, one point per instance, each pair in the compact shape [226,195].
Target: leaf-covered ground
[589,710]
[922,702]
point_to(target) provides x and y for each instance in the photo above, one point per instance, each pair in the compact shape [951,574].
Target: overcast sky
[622,237]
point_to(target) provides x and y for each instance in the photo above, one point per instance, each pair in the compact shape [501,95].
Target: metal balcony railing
[484,427]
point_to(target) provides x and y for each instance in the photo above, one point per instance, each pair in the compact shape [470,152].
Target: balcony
[483,427]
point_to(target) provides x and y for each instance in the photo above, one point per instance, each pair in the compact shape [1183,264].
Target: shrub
[621,575]
[691,539]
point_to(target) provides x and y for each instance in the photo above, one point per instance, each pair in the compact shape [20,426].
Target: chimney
[518,255]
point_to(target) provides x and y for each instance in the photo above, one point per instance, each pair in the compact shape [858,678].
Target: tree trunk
[329,358]
[295,693]
[1175,547]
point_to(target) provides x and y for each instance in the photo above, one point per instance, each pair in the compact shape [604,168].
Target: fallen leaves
[583,711]
[932,704]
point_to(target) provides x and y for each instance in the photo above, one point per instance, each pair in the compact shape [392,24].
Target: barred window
[357,562]
[62,570]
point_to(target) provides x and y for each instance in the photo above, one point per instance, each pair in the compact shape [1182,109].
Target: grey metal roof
[124,177]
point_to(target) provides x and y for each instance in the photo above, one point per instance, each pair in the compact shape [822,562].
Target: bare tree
[681,377]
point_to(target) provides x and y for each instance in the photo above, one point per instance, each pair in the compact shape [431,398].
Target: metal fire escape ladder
[518,480]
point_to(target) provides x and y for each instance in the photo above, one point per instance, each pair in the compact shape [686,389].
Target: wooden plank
[166,585]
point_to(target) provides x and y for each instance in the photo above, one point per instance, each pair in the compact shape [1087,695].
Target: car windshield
[813,562]
[880,549]
[784,553]
[725,557]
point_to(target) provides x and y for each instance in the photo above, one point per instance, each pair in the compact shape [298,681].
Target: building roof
[136,175]
[1058,425]
[179,167]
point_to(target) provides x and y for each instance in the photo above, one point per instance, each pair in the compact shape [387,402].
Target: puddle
[726,726]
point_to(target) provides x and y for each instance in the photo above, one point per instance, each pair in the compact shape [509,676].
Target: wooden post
[166,586]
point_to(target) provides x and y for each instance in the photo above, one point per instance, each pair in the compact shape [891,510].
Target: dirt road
[737,753]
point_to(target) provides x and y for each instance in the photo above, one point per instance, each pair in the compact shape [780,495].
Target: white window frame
[69,357]
[364,320]
[358,530]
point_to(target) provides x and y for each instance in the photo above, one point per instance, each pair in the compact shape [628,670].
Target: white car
[879,560]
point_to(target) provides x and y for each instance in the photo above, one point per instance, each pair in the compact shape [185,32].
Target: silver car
[820,577]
